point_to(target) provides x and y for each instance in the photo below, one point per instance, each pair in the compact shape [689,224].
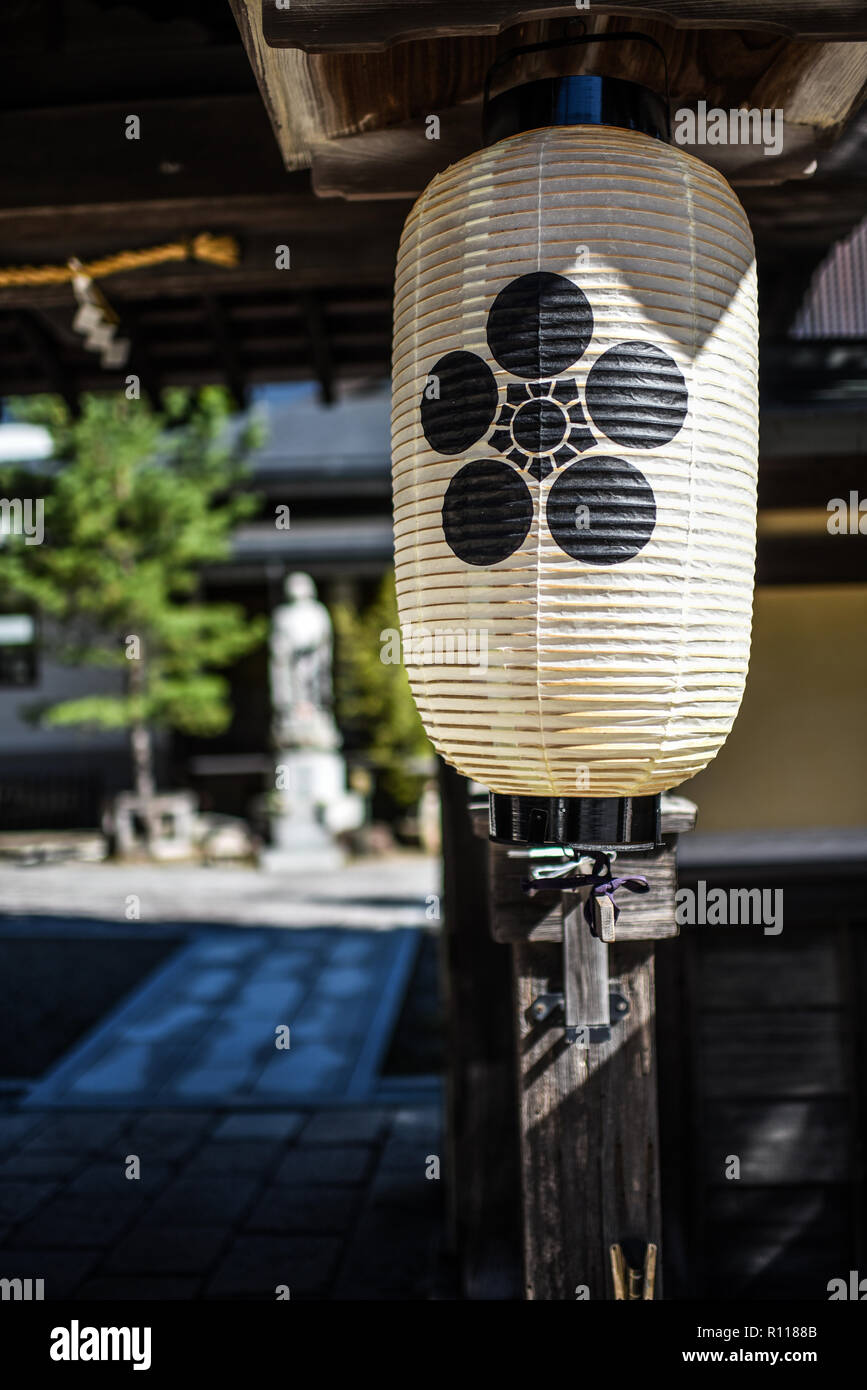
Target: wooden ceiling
[71,184]
[328,163]
[366,25]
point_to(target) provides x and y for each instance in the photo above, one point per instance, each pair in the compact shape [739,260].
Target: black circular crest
[636,395]
[487,512]
[601,511]
[458,402]
[539,325]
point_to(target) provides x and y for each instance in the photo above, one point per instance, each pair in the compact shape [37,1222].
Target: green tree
[373,699]
[136,500]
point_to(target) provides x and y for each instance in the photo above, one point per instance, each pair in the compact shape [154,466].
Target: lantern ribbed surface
[575,445]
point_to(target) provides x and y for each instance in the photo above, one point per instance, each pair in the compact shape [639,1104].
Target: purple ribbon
[599,880]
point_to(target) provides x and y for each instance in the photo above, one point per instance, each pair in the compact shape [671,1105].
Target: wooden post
[589,1141]
[588,1114]
[484,1191]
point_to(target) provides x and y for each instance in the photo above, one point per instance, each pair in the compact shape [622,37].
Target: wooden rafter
[43,349]
[244,338]
[141,361]
[320,347]
[364,25]
[317,241]
[227,349]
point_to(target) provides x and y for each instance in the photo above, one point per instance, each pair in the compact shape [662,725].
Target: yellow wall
[797,755]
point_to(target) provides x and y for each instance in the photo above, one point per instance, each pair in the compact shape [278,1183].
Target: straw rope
[217,250]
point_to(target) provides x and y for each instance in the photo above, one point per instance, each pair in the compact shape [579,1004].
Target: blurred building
[324,475]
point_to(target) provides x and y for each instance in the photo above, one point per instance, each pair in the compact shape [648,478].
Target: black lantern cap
[579,99]
[581,822]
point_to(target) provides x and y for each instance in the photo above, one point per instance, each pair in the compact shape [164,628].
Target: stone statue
[310,804]
[300,669]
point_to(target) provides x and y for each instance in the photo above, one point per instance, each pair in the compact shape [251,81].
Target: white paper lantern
[574,460]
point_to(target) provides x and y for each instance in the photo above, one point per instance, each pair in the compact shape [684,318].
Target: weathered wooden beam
[396,162]
[195,372]
[316,240]
[202,146]
[586,986]
[140,360]
[320,348]
[282,80]
[484,1190]
[361,122]
[227,349]
[313,98]
[517,917]
[318,26]
[806,220]
[815,88]
[589,1131]
[103,222]
[588,1108]
[400,161]
[817,85]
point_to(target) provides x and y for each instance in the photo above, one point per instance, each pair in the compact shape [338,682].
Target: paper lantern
[574,461]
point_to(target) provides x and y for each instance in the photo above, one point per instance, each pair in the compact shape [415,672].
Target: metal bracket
[633,1285]
[545,1004]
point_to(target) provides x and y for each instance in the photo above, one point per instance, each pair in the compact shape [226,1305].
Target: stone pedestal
[172,813]
[311,806]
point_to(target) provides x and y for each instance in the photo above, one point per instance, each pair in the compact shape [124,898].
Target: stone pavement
[380,893]
[330,1204]
[258,1167]
[204,1027]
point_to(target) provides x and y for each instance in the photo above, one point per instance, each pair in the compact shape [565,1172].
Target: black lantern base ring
[581,822]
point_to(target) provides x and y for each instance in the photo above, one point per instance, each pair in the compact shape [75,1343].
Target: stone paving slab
[39,1163]
[327,1211]
[297,1211]
[204,1199]
[110,1179]
[167,1136]
[238,1156]
[151,1249]
[280,1124]
[72,1219]
[64,1271]
[85,1133]
[13,1128]
[256,1265]
[314,1166]
[346,1127]
[19,1198]
[169,1045]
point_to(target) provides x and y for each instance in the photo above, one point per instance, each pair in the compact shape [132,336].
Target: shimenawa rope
[218,250]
